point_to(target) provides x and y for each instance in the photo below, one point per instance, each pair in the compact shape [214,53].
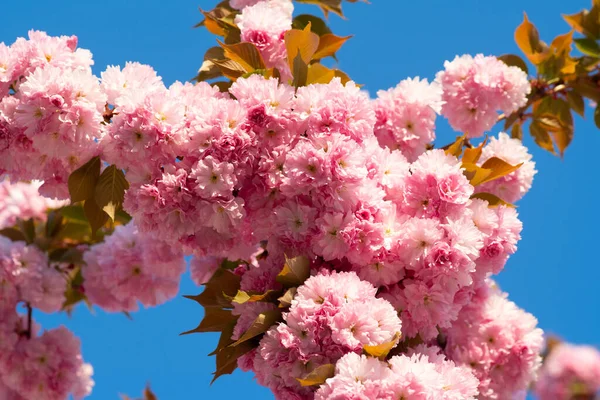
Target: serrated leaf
[13,234]
[455,148]
[317,25]
[303,42]
[223,282]
[472,154]
[588,46]
[261,324]
[492,199]
[295,271]
[329,44]
[499,168]
[110,190]
[528,40]
[318,73]
[245,54]
[227,359]
[382,350]
[475,174]
[318,376]
[82,181]
[215,320]
[230,69]
[513,60]
[576,102]
[95,215]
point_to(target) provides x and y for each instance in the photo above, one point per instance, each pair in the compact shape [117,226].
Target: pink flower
[474,88]
[130,267]
[569,371]
[213,179]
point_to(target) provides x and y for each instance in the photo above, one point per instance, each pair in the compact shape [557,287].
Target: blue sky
[554,275]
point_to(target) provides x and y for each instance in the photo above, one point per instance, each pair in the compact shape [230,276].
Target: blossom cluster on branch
[343,255]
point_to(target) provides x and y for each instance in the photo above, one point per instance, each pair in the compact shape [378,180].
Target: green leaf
[588,46]
[95,215]
[13,234]
[73,213]
[261,324]
[513,60]
[74,292]
[318,376]
[576,102]
[110,190]
[317,25]
[382,350]
[295,271]
[492,199]
[82,181]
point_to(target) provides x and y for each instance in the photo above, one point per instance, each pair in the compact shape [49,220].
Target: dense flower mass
[52,122]
[406,116]
[569,371]
[498,341]
[398,250]
[424,375]
[332,314]
[475,88]
[44,367]
[129,267]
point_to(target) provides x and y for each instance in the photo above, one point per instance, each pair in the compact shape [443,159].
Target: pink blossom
[569,371]
[130,267]
[475,88]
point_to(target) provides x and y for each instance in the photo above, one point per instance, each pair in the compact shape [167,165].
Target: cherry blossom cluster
[475,88]
[498,341]
[425,374]
[397,245]
[129,267]
[569,371]
[21,200]
[332,314]
[50,110]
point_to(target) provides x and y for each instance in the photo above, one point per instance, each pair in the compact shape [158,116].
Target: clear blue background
[554,275]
